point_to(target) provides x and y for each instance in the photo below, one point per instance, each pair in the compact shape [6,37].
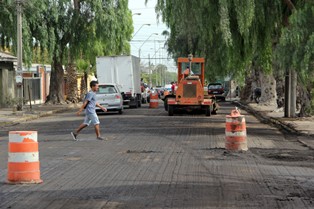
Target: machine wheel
[208,111]
[135,105]
[166,104]
[139,103]
[170,110]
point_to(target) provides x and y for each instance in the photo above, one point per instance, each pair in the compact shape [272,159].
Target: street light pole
[19,72]
[140,29]
[150,71]
[138,13]
[139,50]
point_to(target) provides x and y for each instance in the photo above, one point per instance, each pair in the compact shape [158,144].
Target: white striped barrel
[236,138]
[23,160]
[153,101]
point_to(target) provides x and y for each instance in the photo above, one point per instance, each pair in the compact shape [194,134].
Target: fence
[33,85]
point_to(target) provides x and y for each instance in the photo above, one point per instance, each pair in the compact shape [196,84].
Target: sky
[145,43]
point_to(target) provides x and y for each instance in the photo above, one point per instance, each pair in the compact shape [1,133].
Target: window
[106,89]
[196,68]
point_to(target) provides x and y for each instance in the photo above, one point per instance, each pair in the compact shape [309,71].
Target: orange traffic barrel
[153,102]
[236,139]
[23,160]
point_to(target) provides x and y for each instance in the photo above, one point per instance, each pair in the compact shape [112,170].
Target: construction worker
[186,72]
[173,87]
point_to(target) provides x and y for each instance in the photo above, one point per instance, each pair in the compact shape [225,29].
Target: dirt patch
[285,155]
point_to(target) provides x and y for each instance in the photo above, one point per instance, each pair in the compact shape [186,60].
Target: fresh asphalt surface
[152,160]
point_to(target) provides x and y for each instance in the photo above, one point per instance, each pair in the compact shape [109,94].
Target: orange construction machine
[190,88]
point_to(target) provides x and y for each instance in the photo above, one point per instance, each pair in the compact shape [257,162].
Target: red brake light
[118,97]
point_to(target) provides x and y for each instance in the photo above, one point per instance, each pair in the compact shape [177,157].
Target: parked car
[109,96]
[217,90]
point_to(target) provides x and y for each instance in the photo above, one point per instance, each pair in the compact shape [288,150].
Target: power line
[164,58]
[160,41]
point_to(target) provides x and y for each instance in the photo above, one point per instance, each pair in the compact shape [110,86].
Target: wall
[7,83]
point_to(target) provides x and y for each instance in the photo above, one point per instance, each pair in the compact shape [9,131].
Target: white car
[109,96]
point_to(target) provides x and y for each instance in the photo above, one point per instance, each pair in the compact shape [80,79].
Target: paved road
[156,161]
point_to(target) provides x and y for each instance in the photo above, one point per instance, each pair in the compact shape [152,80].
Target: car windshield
[106,89]
[196,68]
[214,86]
[168,87]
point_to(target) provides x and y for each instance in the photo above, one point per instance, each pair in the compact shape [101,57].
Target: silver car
[109,96]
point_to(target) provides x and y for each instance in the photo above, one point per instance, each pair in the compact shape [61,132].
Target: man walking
[89,105]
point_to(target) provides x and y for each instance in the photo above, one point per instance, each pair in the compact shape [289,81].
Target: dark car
[217,90]
[160,91]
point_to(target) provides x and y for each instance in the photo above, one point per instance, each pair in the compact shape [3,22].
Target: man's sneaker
[74,136]
[101,138]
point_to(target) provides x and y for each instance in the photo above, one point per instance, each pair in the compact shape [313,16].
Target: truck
[125,72]
[190,94]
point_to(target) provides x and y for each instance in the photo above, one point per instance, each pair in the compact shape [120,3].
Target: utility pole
[19,72]
[150,72]
[287,93]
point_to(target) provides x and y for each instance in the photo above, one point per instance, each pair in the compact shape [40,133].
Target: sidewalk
[302,127]
[8,117]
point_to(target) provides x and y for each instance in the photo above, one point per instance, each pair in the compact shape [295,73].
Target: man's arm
[82,107]
[101,107]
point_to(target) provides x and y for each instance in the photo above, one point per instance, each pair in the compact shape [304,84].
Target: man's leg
[95,121]
[97,130]
[81,127]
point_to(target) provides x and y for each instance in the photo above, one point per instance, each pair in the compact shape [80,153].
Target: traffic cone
[236,139]
[23,161]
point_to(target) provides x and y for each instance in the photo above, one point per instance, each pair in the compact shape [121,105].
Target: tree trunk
[83,86]
[306,102]
[56,93]
[251,82]
[280,88]
[72,95]
[268,89]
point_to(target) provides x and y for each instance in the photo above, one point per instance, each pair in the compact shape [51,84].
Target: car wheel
[120,112]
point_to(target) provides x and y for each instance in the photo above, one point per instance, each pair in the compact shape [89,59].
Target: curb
[39,115]
[282,126]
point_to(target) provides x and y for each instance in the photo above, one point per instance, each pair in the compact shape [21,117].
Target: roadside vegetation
[254,42]
[67,33]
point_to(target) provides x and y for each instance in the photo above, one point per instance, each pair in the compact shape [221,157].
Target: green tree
[230,34]
[296,51]
[238,37]
[68,30]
